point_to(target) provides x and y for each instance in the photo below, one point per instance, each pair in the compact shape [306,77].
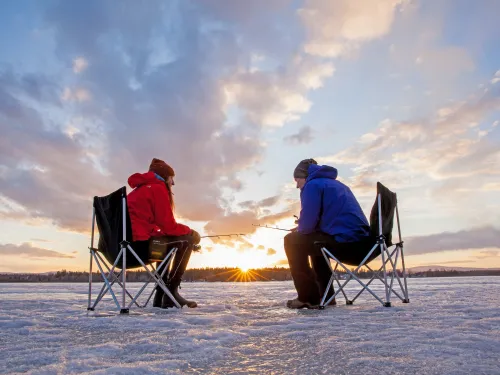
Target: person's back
[330,207]
[150,208]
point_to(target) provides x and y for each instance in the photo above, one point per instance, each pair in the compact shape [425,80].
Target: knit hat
[302,168]
[161,168]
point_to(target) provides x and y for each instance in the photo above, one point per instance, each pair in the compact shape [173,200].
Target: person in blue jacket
[329,213]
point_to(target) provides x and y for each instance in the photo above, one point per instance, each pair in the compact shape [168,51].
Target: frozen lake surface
[451,326]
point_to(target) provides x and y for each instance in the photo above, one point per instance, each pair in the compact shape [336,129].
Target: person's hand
[196,237]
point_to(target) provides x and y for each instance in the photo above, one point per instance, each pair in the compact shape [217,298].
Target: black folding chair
[115,238]
[381,225]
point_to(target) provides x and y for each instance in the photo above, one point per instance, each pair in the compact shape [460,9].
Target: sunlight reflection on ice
[245,328]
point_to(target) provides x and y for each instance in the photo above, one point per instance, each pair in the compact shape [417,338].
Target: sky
[233,94]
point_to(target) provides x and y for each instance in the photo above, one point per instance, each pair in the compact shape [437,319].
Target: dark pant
[311,281]
[173,277]
[181,258]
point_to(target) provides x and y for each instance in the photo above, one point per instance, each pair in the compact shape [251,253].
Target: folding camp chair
[381,224]
[113,222]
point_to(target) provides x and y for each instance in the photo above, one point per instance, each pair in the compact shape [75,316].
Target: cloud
[281,262]
[478,238]
[266,202]
[78,95]
[124,127]
[450,61]
[303,136]
[39,240]
[338,27]
[29,251]
[79,65]
[244,245]
[443,149]
[64,142]
[271,251]
[488,254]
[496,78]
[274,100]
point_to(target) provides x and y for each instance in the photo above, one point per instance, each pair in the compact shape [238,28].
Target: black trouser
[181,259]
[179,263]
[311,282]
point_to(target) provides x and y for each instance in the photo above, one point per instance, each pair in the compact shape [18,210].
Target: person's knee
[287,242]
[292,245]
[290,239]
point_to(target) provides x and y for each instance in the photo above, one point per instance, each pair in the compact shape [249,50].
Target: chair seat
[353,253]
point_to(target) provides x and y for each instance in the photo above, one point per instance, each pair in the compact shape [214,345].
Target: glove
[196,237]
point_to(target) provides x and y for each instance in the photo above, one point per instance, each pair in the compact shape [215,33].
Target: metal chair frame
[391,255]
[110,277]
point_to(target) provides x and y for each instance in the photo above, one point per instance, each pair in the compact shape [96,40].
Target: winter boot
[157,301]
[179,266]
[167,302]
[296,304]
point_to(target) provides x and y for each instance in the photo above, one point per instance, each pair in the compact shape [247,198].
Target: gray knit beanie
[301,169]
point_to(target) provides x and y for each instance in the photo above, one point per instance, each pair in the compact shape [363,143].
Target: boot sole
[303,305]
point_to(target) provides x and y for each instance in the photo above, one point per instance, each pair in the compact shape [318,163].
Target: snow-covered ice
[451,326]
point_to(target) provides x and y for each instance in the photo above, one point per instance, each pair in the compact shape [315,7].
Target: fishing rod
[268,227]
[224,235]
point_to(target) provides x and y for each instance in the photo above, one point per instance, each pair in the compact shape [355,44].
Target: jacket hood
[321,171]
[138,179]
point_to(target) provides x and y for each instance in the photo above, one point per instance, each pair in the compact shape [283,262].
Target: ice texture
[451,326]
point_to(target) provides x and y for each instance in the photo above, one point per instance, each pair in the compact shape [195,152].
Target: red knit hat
[161,168]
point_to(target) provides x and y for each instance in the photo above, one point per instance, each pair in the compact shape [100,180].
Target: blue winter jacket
[329,206]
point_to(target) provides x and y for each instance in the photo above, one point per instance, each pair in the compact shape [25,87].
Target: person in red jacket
[151,210]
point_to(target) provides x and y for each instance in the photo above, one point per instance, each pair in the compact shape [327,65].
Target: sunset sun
[244,268]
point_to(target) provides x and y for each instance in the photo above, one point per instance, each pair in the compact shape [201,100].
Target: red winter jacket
[149,208]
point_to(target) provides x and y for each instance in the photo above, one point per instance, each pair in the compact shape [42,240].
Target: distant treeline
[216,274]
[455,273]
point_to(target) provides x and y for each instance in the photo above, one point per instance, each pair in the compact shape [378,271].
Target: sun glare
[244,268]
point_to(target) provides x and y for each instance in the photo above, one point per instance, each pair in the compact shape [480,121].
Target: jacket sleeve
[310,200]
[163,215]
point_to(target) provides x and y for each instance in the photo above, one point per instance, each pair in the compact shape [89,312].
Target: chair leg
[106,281]
[341,289]
[169,257]
[353,276]
[330,283]
[89,307]
[115,279]
[387,302]
[394,272]
[405,290]
[375,275]
[155,277]
[124,309]
[322,303]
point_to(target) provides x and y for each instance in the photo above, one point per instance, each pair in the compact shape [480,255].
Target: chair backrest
[109,218]
[388,204]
